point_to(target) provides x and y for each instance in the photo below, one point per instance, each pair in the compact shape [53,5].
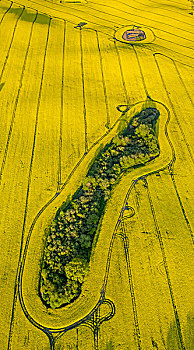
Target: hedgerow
[70,237]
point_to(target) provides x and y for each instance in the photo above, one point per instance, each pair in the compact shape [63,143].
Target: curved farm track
[64,86]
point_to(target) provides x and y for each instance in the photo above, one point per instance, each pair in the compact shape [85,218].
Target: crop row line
[123,18]
[171,170]
[170,11]
[83,89]
[50,331]
[62,11]
[102,75]
[103,81]
[28,187]
[156,45]
[149,255]
[167,93]
[62,106]
[190,57]
[122,74]
[141,72]
[115,24]
[36,324]
[181,79]
[125,202]
[129,13]
[166,267]
[9,8]
[170,1]
[131,283]
[181,204]
[18,94]
[80,33]
[180,127]
[172,106]
[46,6]
[120,222]
[10,45]
[46,330]
[106,20]
[178,44]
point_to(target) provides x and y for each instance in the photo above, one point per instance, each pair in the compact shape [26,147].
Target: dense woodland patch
[71,236]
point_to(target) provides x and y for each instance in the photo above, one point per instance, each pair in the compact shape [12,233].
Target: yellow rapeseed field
[69,81]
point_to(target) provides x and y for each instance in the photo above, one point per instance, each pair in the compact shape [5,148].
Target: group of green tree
[70,237]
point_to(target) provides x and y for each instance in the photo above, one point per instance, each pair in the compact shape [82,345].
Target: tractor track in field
[28,190]
[96,23]
[156,36]
[181,204]
[150,19]
[182,82]
[85,12]
[18,283]
[50,331]
[148,252]
[56,17]
[178,44]
[103,82]
[133,15]
[159,236]
[173,51]
[62,107]
[126,250]
[170,1]
[11,42]
[83,93]
[172,106]
[9,8]
[124,237]
[141,72]
[122,74]
[68,6]
[124,22]
[170,169]
[116,16]
[16,100]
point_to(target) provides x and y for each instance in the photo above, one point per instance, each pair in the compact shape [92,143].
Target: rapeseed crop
[69,73]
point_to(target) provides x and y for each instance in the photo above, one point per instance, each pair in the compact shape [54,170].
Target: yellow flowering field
[73,74]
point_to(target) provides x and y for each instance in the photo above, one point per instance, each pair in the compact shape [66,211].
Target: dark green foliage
[69,241]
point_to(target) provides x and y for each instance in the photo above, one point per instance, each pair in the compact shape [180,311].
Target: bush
[76,269]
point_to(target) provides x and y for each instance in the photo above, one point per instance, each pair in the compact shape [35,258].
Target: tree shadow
[29,16]
[1,86]
[189,331]
[173,342]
